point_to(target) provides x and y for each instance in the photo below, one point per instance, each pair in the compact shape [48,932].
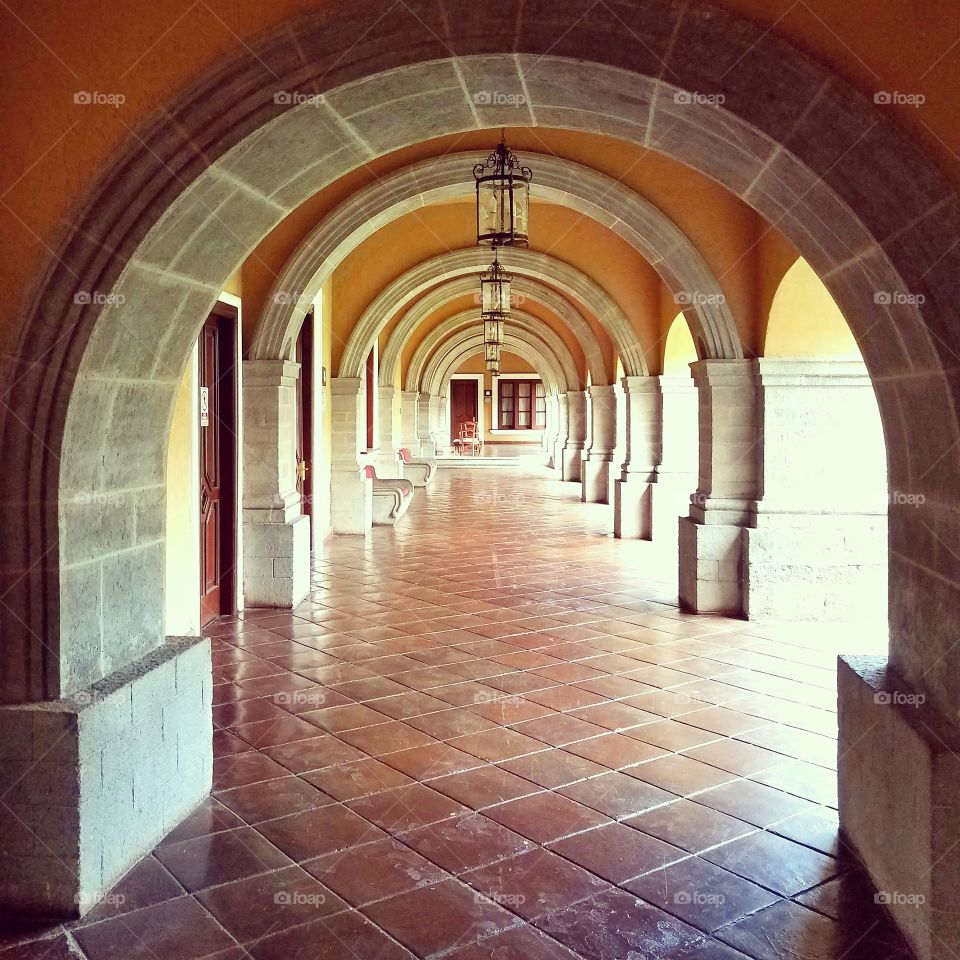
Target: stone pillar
[386,459]
[439,424]
[409,408]
[560,440]
[817,549]
[549,436]
[595,470]
[427,445]
[711,537]
[576,435]
[633,493]
[675,478]
[351,491]
[276,533]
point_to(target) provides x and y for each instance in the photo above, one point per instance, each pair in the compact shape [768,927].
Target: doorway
[463,404]
[218,463]
[304,443]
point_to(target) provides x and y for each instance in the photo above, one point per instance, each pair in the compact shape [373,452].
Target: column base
[899,772]
[351,502]
[709,567]
[595,480]
[93,782]
[276,559]
[632,508]
[815,567]
[571,463]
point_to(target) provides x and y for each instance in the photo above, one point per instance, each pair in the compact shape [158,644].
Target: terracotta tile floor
[491,735]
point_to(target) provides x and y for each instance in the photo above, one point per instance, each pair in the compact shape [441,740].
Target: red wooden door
[217,465]
[463,404]
[305,415]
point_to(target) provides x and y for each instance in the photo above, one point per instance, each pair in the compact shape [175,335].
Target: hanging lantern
[491,354]
[503,199]
[493,366]
[495,292]
[492,330]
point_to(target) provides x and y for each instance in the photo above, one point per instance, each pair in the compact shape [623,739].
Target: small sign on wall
[204,406]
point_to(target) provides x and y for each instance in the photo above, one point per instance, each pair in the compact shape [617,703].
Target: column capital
[264,373]
[777,372]
[346,385]
[638,385]
[723,373]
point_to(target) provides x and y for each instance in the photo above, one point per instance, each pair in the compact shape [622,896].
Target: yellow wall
[806,322]
[679,350]
[182,542]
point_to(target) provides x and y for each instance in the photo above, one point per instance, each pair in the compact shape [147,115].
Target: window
[523,405]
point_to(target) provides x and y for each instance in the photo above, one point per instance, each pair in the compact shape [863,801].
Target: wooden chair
[469,438]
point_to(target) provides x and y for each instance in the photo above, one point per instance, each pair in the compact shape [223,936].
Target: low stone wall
[91,783]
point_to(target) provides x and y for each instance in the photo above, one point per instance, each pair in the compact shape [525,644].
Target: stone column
[633,493]
[427,445]
[351,491]
[675,478]
[817,547]
[409,409]
[595,471]
[576,434]
[548,439]
[276,533]
[439,423]
[386,458]
[560,441]
[711,537]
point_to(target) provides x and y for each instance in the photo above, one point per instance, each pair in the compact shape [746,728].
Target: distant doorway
[463,404]
[218,463]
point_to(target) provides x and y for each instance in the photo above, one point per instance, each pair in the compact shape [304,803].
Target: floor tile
[315,832]
[484,787]
[357,778]
[265,904]
[374,871]
[220,858]
[466,842]
[178,928]
[703,895]
[272,798]
[407,808]
[617,853]
[617,795]
[438,919]
[690,825]
[546,816]
[534,883]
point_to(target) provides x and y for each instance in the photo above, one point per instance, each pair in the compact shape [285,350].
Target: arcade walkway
[492,736]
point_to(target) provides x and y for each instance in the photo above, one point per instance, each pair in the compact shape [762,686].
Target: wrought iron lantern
[495,292]
[493,360]
[503,199]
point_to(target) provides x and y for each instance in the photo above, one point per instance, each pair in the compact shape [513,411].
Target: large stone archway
[523,288]
[526,263]
[646,228]
[190,196]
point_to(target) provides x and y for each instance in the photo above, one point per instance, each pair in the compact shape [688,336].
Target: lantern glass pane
[493,331]
[491,351]
[493,205]
[521,211]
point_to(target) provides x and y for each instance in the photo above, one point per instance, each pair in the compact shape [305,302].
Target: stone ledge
[92,782]
[899,771]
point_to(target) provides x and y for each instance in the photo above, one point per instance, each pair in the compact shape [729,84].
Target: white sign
[204,406]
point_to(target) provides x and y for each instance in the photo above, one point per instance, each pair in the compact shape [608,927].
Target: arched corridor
[641,313]
[493,746]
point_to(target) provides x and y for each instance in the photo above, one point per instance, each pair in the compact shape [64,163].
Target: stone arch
[464,286]
[445,362]
[189,196]
[472,262]
[560,356]
[643,225]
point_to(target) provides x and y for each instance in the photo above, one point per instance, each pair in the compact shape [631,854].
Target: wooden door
[305,415]
[463,404]
[218,464]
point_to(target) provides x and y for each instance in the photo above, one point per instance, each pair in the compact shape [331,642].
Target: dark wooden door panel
[217,465]
[463,404]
